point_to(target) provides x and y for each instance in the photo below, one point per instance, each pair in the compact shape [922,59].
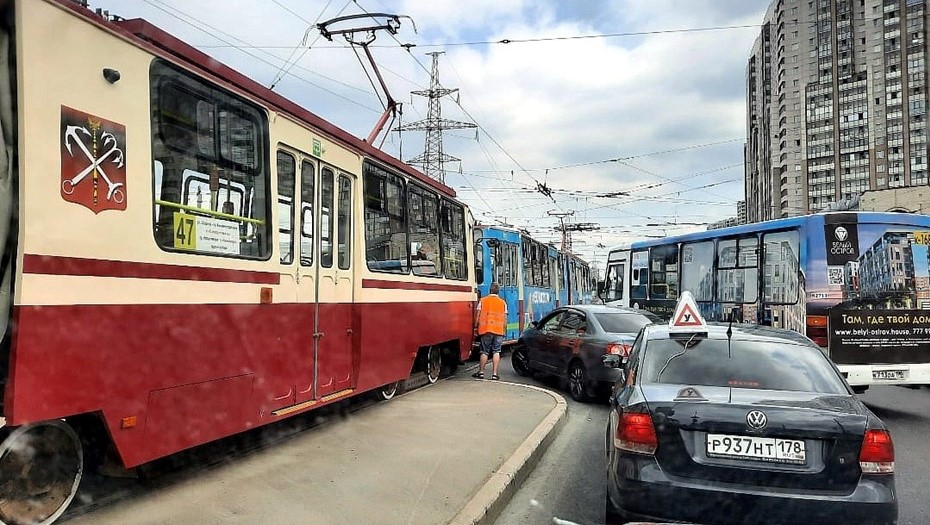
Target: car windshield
[624,322]
[740,364]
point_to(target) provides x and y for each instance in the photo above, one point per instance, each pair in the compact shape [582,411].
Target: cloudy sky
[641,107]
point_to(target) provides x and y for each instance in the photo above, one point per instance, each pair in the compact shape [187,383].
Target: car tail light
[620,349]
[636,433]
[877,453]
[817,329]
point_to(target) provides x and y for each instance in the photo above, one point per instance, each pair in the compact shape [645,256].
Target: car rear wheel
[611,516]
[578,381]
[519,361]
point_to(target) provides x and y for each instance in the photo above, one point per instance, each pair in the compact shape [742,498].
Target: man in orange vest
[491,325]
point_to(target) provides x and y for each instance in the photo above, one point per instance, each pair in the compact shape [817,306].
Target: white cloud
[548,103]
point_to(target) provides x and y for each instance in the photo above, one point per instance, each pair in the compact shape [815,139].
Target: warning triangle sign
[687,317]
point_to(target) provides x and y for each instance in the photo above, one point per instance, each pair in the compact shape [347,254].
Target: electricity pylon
[433,159]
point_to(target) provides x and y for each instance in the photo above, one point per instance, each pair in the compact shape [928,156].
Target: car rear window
[622,323]
[740,364]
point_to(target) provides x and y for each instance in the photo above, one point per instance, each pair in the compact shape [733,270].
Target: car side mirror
[534,324]
[612,361]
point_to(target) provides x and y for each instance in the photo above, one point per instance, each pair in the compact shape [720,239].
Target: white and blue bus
[855,283]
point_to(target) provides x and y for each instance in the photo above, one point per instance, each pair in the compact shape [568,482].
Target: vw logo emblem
[841,233]
[756,419]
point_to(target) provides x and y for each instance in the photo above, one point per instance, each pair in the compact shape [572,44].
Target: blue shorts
[491,343]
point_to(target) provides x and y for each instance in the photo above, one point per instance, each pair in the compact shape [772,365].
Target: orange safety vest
[492,316]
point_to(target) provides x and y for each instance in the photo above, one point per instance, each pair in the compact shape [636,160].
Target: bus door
[336,336]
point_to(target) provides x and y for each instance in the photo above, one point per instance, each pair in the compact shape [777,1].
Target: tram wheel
[433,364]
[41,465]
[388,391]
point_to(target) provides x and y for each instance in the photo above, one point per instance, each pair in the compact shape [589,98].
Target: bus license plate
[889,374]
[757,448]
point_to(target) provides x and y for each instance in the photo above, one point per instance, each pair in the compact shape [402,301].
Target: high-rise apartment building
[836,103]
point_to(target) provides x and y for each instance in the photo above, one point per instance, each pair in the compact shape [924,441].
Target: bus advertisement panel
[857,284]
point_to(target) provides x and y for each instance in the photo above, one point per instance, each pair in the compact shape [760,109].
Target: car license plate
[774,450]
[889,374]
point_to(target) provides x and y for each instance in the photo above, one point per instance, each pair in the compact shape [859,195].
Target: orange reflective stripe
[492,318]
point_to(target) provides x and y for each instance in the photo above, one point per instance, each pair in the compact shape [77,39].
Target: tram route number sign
[205,234]
[922,237]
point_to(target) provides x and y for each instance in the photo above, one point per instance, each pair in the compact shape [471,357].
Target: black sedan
[571,341]
[742,425]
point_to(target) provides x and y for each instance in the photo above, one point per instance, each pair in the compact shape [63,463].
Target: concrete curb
[486,505]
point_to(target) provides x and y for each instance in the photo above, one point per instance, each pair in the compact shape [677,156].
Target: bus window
[697,264]
[663,277]
[613,282]
[737,272]
[639,277]
[780,276]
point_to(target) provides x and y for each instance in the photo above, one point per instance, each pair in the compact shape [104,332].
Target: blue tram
[534,277]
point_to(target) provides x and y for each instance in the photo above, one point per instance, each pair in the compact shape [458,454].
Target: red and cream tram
[188,254]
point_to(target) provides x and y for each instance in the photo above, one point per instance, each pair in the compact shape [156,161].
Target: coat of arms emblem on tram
[93,163]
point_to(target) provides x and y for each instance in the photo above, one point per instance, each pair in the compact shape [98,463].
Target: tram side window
[287,173]
[697,265]
[423,213]
[212,177]
[737,272]
[500,270]
[327,192]
[527,263]
[385,221]
[344,234]
[780,282]
[307,188]
[552,273]
[452,229]
[479,258]
[510,255]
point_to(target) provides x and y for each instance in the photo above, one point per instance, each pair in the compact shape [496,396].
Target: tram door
[336,337]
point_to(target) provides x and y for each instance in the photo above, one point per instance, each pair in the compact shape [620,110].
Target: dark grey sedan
[571,342]
[743,425]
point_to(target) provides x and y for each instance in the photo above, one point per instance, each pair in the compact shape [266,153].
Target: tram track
[98,491]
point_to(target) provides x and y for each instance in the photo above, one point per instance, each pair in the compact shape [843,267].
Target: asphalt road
[567,487]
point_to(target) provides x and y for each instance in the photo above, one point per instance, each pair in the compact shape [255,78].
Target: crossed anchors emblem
[76,135]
